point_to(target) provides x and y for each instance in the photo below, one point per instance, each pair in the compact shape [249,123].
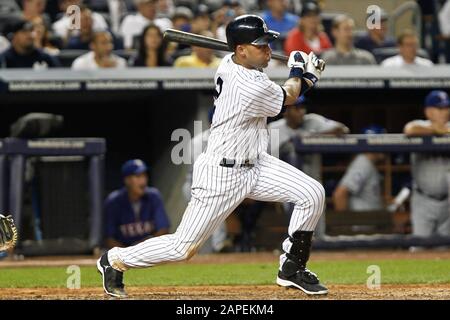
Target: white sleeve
[262,97]
[444,19]
[99,22]
[78,64]
[163,24]
[356,176]
[321,124]
[60,28]
[126,32]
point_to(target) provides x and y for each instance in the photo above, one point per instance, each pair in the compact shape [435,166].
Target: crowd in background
[129,33]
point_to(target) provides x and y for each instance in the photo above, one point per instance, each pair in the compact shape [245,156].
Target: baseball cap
[134,166]
[438,99]
[310,8]
[17,24]
[373,129]
[183,12]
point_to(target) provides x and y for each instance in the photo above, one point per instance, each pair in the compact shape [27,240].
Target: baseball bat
[206,42]
[215,44]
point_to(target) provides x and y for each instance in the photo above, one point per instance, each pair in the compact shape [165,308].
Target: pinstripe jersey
[244,98]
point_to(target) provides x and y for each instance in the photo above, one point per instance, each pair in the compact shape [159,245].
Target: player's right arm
[303,76]
[424,128]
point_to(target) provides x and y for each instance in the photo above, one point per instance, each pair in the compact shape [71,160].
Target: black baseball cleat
[304,280]
[112,279]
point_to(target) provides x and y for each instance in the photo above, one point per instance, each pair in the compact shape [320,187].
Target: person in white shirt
[62,27]
[4,43]
[444,19]
[101,55]
[133,24]
[408,44]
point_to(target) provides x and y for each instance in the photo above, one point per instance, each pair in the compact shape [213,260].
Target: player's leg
[281,182]
[422,215]
[216,192]
[443,221]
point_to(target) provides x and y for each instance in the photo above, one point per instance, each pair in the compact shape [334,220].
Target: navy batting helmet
[250,29]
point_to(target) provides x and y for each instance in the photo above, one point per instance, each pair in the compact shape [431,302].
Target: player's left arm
[305,73]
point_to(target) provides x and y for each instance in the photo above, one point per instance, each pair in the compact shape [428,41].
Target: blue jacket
[123,225]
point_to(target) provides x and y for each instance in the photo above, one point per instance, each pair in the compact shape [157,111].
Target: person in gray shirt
[430,212]
[297,123]
[360,187]
[344,53]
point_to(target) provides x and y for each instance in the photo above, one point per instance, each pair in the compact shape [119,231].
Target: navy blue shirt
[366,43]
[37,58]
[127,227]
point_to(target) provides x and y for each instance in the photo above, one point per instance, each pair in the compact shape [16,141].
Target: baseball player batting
[235,165]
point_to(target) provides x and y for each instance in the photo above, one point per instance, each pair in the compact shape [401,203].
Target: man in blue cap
[135,212]
[430,171]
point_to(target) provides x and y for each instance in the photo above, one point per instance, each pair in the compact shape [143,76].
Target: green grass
[330,272]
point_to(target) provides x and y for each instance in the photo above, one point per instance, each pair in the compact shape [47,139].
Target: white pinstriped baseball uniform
[244,100]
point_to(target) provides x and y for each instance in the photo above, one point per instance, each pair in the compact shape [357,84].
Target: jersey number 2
[219,84]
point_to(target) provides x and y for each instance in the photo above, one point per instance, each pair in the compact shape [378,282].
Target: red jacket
[296,41]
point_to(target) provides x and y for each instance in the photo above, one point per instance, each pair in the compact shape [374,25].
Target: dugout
[137,110]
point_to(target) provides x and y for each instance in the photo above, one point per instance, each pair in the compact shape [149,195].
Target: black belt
[437,198]
[230,163]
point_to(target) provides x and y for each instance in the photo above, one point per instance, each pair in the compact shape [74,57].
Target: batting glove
[313,71]
[297,62]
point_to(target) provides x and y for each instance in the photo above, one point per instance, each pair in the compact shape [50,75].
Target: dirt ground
[270,292]
[267,292]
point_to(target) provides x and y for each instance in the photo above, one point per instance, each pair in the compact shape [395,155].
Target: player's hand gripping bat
[215,44]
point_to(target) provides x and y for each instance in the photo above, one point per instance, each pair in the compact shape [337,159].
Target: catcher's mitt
[8,233]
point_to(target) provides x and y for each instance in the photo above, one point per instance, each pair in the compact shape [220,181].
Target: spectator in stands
[82,40]
[278,18]
[4,44]
[152,49]
[63,27]
[221,17]
[431,171]
[132,25]
[101,55]
[202,20]
[360,187]
[308,36]
[42,37]
[407,44]
[135,212]
[376,37]
[32,9]
[181,19]
[22,53]
[297,123]
[165,8]
[200,57]
[343,52]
